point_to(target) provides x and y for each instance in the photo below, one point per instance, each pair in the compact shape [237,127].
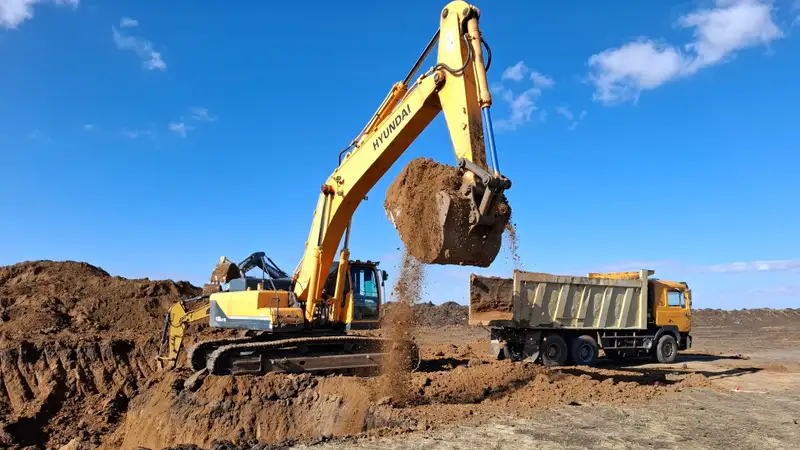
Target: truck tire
[666,349]
[554,350]
[583,351]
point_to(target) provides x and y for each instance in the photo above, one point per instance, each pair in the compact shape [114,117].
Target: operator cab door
[365,293]
[672,307]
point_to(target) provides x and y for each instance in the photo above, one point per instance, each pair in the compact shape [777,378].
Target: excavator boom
[457,86]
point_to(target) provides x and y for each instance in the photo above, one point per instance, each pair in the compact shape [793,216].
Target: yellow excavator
[303,322]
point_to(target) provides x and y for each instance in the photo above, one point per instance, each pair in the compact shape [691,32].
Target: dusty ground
[77,369]
[755,403]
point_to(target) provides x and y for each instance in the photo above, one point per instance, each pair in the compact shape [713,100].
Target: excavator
[305,322]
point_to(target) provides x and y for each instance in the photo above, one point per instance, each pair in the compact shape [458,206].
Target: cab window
[676,299]
[365,293]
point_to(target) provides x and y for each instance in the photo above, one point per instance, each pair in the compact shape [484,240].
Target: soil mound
[72,301]
[429,315]
[51,393]
[491,293]
[760,317]
[432,216]
[75,345]
[454,385]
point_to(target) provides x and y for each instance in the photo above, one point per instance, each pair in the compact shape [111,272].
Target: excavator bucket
[437,215]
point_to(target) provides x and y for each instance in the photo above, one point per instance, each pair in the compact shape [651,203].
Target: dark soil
[76,344]
[75,301]
[491,293]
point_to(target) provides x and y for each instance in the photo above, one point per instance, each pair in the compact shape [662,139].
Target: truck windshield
[366,296]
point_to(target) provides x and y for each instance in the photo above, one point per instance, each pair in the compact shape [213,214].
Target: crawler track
[303,354]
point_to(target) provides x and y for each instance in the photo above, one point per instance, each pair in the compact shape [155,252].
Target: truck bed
[541,300]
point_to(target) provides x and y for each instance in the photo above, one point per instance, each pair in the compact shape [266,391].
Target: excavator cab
[364,286]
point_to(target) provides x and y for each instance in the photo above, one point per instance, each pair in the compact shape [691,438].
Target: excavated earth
[77,369]
[413,202]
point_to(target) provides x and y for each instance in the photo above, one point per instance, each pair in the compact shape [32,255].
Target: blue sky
[150,140]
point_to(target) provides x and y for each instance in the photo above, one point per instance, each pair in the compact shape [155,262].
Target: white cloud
[89,127]
[541,80]
[516,72]
[179,128]
[623,73]
[127,22]
[135,134]
[756,266]
[796,11]
[151,59]
[564,112]
[37,135]
[14,12]
[521,108]
[201,115]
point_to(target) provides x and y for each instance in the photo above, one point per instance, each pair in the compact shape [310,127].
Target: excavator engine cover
[437,217]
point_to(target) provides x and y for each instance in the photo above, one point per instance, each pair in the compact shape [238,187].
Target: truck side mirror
[384,275]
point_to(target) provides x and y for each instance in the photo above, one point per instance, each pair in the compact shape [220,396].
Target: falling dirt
[413,203]
[513,245]
[400,325]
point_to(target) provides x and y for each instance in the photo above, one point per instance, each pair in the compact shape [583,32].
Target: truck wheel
[584,350]
[666,349]
[554,350]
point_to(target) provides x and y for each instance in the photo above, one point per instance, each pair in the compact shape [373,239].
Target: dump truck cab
[671,309]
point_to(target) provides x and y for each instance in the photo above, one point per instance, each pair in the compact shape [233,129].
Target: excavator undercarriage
[280,349]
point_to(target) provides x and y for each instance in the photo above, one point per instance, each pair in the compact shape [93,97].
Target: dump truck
[561,320]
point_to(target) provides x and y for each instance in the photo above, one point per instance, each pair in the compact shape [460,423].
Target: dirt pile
[416,203]
[760,317]
[490,293]
[242,409]
[75,345]
[454,384]
[429,315]
[50,393]
[74,301]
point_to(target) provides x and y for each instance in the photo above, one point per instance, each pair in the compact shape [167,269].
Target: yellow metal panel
[666,315]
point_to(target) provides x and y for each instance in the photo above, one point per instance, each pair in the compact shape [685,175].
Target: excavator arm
[457,86]
[175,322]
